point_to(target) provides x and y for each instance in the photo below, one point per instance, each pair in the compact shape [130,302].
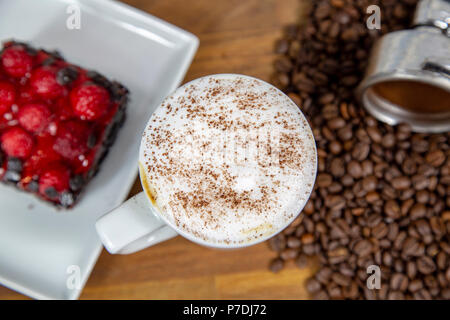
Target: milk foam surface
[229,159]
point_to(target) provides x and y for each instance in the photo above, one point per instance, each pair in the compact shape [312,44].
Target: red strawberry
[16,61]
[43,82]
[63,109]
[44,149]
[55,178]
[34,117]
[43,154]
[7,96]
[16,142]
[26,94]
[71,139]
[89,102]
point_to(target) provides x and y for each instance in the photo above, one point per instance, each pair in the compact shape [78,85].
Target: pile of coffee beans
[382,195]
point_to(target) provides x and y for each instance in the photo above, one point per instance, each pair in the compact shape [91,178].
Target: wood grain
[236,36]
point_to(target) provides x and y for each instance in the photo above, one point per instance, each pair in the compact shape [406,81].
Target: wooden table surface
[236,36]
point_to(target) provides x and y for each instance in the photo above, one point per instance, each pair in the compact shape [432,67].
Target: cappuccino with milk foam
[228,160]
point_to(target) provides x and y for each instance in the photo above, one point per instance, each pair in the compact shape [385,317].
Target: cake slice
[57,122]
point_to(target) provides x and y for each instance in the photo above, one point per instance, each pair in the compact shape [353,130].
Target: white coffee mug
[138,222]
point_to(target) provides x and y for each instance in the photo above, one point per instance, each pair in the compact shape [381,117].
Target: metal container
[408,77]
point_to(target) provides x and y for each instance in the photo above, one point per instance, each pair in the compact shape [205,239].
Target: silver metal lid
[418,56]
[433,13]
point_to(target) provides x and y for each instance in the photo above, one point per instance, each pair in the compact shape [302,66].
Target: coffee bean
[422,294]
[392,209]
[324,275]
[387,259]
[289,254]
[281,46]
[341,279]
[388,140]
[277,243]
[326,98]
[350,35]
[324,180]
[420,182]
[358,211]
[312,285]
[334,292]
[419,144]
[441,260]
[321,295]
[345,133]
[336,123]
[409,166]
[374,134]
[337,167]
[369,183]
[335,187]
[309,208]
[423,227]
[307,238]
[396,295]
[417,211]
[283,64]
[403,131]
[361,151]
[415,285]
[380,230]
[339,254]
[301,261]
[436,158]
[411,247]
[281,80]
[335,147]
[401,183]
[276,265]
[354,169]
[301,81]
[363,248]
[367,167]
[399,282]
[323,10]
[426,265]
[330,111]
[335,202]
[411,269]
[422,196]
[293,242]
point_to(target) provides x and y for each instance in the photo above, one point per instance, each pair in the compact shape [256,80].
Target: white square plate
[39,244]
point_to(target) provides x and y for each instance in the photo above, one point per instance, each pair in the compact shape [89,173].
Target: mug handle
[133,226]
